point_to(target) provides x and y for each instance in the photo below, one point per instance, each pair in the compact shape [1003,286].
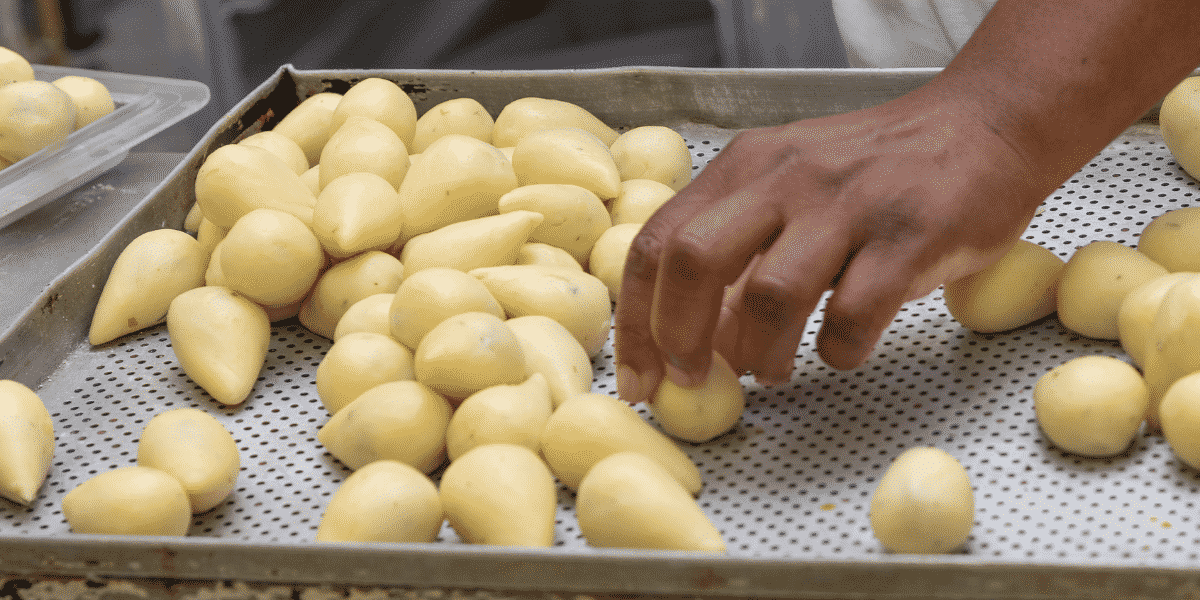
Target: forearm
[1059,79]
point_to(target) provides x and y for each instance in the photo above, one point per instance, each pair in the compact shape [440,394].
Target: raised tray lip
[146,105]
[613,571]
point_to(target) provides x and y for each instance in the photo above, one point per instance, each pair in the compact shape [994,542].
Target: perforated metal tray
[789,487]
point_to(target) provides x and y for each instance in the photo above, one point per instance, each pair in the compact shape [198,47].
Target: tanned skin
[883,205]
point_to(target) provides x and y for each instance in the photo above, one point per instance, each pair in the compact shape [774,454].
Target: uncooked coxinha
[26,442]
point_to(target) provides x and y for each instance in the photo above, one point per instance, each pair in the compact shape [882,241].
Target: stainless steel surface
[36,250]
[789,487]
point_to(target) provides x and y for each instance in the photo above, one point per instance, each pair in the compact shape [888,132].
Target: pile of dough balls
[38,114]
[465,268]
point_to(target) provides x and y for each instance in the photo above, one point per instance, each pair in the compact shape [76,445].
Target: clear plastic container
[144,106]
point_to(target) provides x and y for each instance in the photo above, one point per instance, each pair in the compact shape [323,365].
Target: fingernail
[841,343]
[677,375]
[627,385]
[775,364]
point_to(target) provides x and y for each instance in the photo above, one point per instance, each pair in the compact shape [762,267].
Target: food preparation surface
[43,244]
[793,481]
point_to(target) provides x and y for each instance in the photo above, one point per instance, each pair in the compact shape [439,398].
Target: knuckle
[688,256]
[774,303]
[903,218]
[630,334]
[641,261]
[771,148]
[871,311]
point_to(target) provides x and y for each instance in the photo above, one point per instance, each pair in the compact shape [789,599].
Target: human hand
[881,205]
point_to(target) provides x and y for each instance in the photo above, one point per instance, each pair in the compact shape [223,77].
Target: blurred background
[234,45]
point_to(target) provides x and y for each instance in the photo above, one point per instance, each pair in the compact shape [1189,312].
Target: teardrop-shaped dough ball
[577,300]
[271,257]
[430,296]
[193,447]
[364,145]
[1016,290]
[568,155]
[467,353]
[132,500]
[92,99]
[385,501]
[357,363]
[653,152]
[553,352]
[1135,318]
[309,124]
[282,146]
[629,501]
[523,116]
[26,442]
[372,272]
[220,339]
[538,253]
[924,503]
[1095,282]
[369,315]
[1091,405]
[456,179]
[464,116]
[398,420]
[639,198]
[35,115]
[574,217]
[501,414]
[237,179]
[381,100]
[355,213]
[14,67]
[484,242]
[607,261]
[1172,239]
[154,268]
[1179,415]
[700,413]
[501,494]
[589,427]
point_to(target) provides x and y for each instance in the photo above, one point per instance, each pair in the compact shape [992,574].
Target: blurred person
[884,205]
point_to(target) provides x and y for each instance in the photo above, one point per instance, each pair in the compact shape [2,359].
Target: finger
[726,336]
[639,362]
[782,292]
[875,285]
[705,255]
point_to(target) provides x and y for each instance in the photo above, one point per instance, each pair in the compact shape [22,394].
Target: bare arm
[885,204]
[1065,78]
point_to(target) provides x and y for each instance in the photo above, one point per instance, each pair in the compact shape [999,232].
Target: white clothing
[906,33]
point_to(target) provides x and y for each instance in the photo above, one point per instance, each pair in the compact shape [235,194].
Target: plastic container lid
[144,106]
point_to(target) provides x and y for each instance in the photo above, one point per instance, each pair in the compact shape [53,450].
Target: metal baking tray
[144,106]
[789,487]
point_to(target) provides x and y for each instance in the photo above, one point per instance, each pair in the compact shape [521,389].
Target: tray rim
[440,566]
[615,571]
